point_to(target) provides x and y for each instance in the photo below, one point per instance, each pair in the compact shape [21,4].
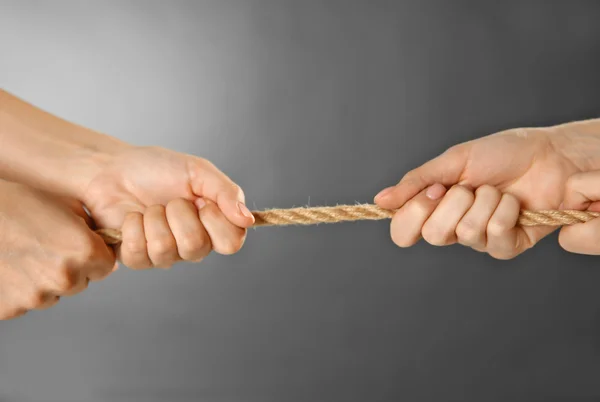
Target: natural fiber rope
[360,212]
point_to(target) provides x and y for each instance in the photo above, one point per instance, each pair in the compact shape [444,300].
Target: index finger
[444,169]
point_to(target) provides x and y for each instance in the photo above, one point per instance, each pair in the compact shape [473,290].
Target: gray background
[312,102]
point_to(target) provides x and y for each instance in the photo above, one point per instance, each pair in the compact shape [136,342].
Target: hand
[169,206]
[582,193]
[47,250]
[472,194]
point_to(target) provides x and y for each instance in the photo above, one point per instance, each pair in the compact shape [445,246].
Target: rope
[361,212]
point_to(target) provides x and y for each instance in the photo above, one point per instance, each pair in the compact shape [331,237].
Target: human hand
[169,206]
[472,194]
[582,193]
[47,250]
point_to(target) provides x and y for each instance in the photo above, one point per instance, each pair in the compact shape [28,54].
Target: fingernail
[561,206]
[435,191]
[200,203]
[244,210]
[385,192]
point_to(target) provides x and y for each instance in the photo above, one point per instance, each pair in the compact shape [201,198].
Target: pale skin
[170,207]
[175,207]
[472,193]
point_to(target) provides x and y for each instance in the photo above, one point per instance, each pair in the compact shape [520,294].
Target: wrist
[83,163]
[50,153]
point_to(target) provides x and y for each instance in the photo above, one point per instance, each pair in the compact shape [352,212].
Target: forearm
[47,152]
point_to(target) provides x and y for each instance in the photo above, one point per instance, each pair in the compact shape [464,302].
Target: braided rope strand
[361,212]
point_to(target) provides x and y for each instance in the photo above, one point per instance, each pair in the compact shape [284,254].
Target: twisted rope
[361,212]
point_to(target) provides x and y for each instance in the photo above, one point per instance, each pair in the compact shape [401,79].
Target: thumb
[78,209]
[582,192]
[445,169]
[209,182]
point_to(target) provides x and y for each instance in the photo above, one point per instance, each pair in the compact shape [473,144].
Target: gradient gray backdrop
[312,102]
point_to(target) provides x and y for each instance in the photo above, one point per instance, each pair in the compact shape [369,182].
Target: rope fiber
[361,212]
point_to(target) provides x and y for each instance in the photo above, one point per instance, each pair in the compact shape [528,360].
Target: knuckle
[34,299]
[162,247]
[572,183]
[461,191]
[51,301]
[176,204]
[231,245]
[155,210]
[466,231]
[502,255]
[434,235]
[454,149]
[65,278]
[237,191]
[136,262]
[485,189]
[100,272]
[409,177]
[398,238]
[86,251]
[77,288]
[134,248]
[191,243]
[417,209]
[497,228]
[403,235]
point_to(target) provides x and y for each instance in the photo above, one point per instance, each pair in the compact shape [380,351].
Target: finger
[440,228]
[225,237]
[582,238]
[209,182]
[162,247]
[81,285]
[103,259]
[471,230]
[50,300]
[35,299]
[193,242]
[133,251]
[504,239]
[407,222]
[444,169]
[582,190]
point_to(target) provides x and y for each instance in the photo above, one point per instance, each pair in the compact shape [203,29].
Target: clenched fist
[472,193]
[47,250]
[170,207]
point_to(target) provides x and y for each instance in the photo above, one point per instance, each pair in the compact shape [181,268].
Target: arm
[170,206]
[472,193]
[47,152]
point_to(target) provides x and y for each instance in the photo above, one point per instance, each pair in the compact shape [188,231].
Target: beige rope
[360,212]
